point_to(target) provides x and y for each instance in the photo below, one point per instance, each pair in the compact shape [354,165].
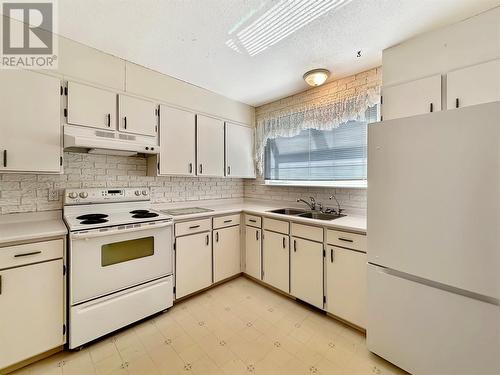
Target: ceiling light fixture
[316,77]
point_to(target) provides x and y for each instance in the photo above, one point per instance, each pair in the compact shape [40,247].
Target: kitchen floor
[239,327]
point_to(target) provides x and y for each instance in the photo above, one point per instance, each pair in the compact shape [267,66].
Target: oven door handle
[90,234]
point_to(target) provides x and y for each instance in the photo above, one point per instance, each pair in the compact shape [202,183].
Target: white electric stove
[120,260]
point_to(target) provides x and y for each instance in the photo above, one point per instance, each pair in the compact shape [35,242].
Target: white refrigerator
[434,241]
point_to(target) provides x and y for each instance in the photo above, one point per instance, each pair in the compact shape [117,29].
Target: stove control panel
[103,195]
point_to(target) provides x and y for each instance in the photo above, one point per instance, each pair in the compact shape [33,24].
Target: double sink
[307,214]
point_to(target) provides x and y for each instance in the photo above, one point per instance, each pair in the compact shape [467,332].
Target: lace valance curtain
[320,116]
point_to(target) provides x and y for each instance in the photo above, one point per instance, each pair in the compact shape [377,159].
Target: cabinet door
[412,98]
[346,284]
[474,85]
[253,252]
[193,263]
[30,126]
[239,151]
[32,306]
[137,116]
[276,254]
[90,106]
[227,254]
[210,146]
[177,141]
[306,271]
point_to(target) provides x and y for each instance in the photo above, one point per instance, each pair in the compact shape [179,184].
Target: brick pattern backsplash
[30,192]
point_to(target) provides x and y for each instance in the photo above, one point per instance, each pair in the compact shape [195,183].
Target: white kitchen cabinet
[306,271]
[226,252]
[276,260]
[346,272]
[30,126]
[412,98]
[473,85]
[32,310]
[177,142]
[210,146]
[239,151]
[90,106]
[193,263]
[137,116]
[253,253]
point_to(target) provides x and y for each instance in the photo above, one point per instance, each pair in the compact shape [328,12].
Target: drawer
[345,239]
[253,221]
[226,221]
[276,225]
[194,226]
[307,231]
[14,256]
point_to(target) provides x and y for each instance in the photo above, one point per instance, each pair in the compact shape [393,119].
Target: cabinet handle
[295,245]
[201,168]
[5,158]
[190,168]
[431,107]
[27,254]
[252,220]
[216,236]
[207,240]
[228,170]
[0,284]
[109,119]
[227,221]
[345,239]
[194,226]
[125,122]
[457,103]
[283,242]
[257,235]
[331,255]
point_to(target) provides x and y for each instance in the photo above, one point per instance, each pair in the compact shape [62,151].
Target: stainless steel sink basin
[288,211]
[320,215]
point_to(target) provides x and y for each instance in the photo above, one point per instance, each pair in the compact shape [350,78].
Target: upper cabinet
[177,141]
[412,98]
[90,106]
[137,116]
[239,151]
[30,104]
[474,85]
[210,146]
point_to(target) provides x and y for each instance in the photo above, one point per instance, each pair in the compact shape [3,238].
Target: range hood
[108,142]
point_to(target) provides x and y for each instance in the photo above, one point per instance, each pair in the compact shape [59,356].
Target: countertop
[351,222]
[31,226]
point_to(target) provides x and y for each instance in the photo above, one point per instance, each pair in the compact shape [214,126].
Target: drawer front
[345,239]
[308,232]
[13,256]
[253,221]
[226,221]
[276,225]
[194,226]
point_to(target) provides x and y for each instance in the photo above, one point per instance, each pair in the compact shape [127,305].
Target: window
[334,157]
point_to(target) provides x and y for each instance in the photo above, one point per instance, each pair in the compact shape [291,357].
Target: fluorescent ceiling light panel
[279,22]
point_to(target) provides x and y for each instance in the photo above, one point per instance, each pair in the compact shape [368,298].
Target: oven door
[103,261]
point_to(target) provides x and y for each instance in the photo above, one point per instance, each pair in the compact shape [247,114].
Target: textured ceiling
[255,51]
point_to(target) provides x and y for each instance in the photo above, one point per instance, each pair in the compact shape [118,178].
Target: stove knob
[72,195]
[84,194]
[137,192]
[144,192]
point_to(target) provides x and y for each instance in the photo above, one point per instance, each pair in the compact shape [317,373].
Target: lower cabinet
[306,271]
[227,253]
[31,301]
[193,263]
[253,253]
[276,260]
[346,284]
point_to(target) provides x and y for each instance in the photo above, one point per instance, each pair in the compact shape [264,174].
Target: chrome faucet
[339,210]
[312,204]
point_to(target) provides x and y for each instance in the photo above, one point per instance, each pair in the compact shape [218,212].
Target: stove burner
[92,216]
[93,221]
[139,212]
[144,215]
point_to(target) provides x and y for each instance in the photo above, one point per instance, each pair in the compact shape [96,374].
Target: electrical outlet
[53,195]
